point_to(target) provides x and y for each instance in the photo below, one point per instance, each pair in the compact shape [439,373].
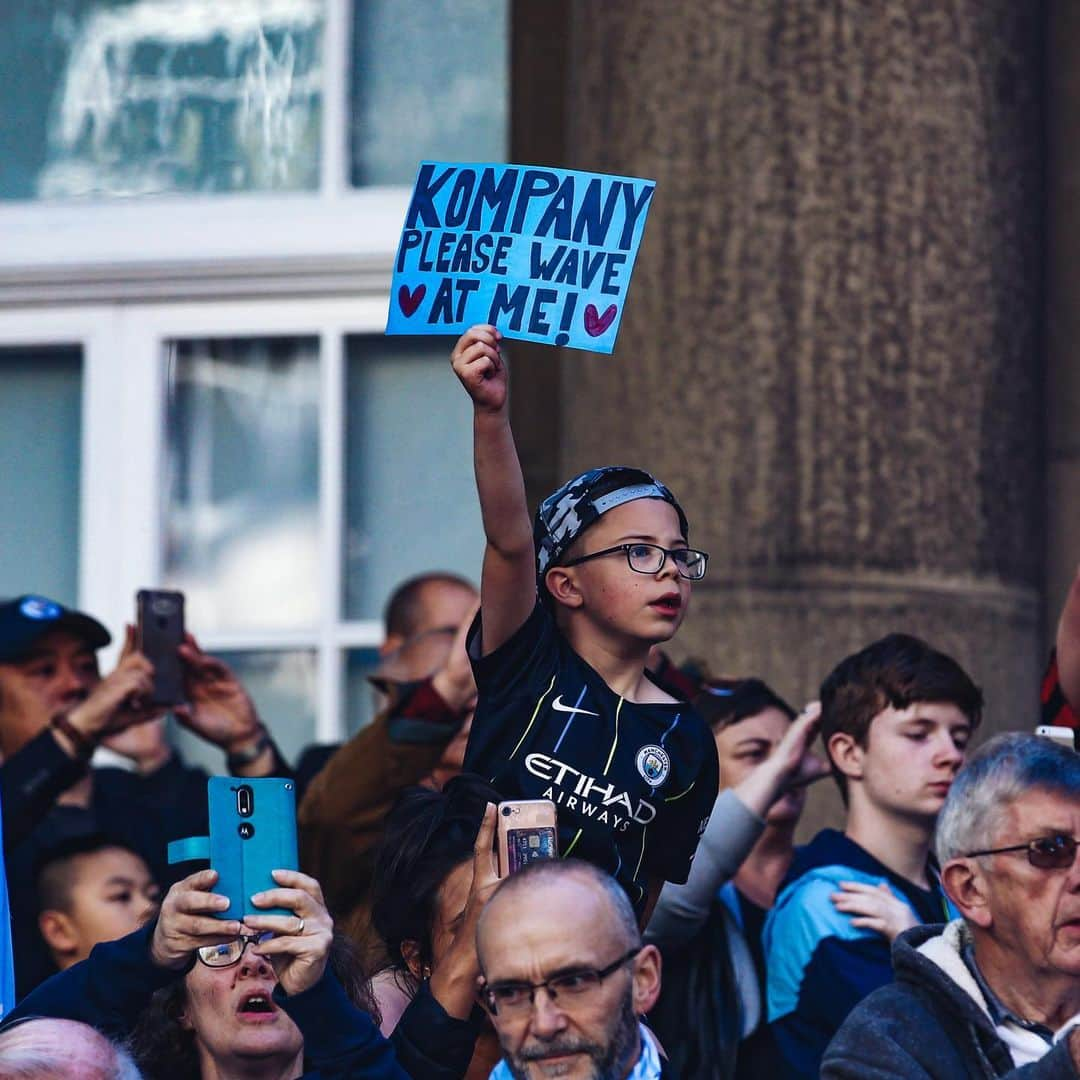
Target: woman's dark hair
[427,835]
[723,702]
[165,1050]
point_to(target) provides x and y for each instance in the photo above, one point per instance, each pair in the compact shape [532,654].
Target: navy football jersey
[634,784]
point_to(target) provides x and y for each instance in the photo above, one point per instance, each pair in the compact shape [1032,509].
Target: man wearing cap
[55,709]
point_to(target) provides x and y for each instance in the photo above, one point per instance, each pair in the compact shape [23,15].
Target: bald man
[566,976]
[62,1049]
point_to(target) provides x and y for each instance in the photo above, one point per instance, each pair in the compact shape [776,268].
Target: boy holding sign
[566,710]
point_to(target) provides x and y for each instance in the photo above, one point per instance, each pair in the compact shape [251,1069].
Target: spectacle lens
[229,952]
[1052,852]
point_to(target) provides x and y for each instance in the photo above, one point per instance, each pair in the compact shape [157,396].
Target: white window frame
[340,238]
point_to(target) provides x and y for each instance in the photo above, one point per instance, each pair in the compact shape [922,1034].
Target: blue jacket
[110,988]
[819,966]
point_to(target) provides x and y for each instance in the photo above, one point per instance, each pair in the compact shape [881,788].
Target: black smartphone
[159,622]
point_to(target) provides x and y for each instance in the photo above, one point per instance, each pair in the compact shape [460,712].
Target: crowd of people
[681,932]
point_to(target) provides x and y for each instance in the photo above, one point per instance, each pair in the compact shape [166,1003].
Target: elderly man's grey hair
[1002,770]
[46,1048]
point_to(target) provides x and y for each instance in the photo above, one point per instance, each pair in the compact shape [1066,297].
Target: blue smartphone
[252,831]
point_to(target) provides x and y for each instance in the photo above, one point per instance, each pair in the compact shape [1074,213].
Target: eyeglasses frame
[625,549]
[247,939]
[601,974]
[1030,849]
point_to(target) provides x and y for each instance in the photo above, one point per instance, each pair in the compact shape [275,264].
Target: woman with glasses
[710,1017]
[260,999]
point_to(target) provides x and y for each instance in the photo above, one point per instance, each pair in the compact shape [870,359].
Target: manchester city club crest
[654,765]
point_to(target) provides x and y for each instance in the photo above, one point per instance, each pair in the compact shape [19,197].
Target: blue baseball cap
[25,620]
[565,514]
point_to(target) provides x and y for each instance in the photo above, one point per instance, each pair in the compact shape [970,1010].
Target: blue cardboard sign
[543,254]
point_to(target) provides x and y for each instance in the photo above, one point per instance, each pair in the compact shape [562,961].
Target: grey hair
[1004,768]
[27,1053]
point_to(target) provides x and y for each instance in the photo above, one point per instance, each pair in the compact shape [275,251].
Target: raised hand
[120,699]
[219,708]
[301,943]
[454,981]
[186,921]
[478,363]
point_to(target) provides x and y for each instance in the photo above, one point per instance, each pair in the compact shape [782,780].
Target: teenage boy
[895,719]
[566,709]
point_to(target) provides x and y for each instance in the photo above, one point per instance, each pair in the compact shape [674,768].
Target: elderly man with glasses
[995,993]
[566,976]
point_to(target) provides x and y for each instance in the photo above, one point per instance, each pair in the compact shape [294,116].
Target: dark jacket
[819,966]
[927,1025]
[111,987]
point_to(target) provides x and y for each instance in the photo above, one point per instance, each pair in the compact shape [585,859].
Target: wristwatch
[239,758]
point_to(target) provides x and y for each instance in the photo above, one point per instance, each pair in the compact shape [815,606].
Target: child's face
[912,756]
[619,601]
[112,895]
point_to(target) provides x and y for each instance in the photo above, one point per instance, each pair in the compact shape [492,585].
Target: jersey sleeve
[686,813]
[528,657]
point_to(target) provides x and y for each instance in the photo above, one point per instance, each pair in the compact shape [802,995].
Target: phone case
[527,831]
[245,848]
[160,632]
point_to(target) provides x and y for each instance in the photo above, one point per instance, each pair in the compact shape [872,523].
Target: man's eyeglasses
[1046,853]
[650,559]
[516,998]
[229,952]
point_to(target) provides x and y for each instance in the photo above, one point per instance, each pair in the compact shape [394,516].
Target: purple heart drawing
[409,302]
[595,323]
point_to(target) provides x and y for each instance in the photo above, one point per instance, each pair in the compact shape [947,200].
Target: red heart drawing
[595,323]
[409,302]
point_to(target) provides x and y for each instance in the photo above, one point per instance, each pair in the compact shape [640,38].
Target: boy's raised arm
[508,580]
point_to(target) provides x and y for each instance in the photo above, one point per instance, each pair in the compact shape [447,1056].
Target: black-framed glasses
[1055,852]
[516,998]
[650,559]
[229,952]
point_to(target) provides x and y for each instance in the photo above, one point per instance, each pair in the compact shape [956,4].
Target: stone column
[831,348]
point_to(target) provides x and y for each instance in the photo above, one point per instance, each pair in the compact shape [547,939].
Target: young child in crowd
[895,719]
[570,608]
[91,889]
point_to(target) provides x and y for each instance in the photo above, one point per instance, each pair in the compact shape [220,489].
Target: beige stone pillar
[831,345]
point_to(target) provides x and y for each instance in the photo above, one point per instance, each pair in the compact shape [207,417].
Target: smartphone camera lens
[506,811]
[245,801]
[246,830]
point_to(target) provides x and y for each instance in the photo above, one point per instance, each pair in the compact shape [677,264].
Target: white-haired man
[995,993]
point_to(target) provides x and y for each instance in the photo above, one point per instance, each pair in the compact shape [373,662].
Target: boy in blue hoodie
[896,718]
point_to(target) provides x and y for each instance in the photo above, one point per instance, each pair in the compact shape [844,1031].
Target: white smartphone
[1065,736]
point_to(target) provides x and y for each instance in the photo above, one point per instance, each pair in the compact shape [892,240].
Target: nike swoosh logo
[558,706]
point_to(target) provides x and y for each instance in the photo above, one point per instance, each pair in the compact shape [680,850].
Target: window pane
[410,498]
[361,698]
[283,687]
[429,80]
[40,428]
[132,97]
[242,479]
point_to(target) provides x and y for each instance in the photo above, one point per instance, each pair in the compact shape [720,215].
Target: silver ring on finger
[300,929]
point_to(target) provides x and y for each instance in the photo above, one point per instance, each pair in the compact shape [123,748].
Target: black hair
[723,702]
[427,835]
[52,866]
